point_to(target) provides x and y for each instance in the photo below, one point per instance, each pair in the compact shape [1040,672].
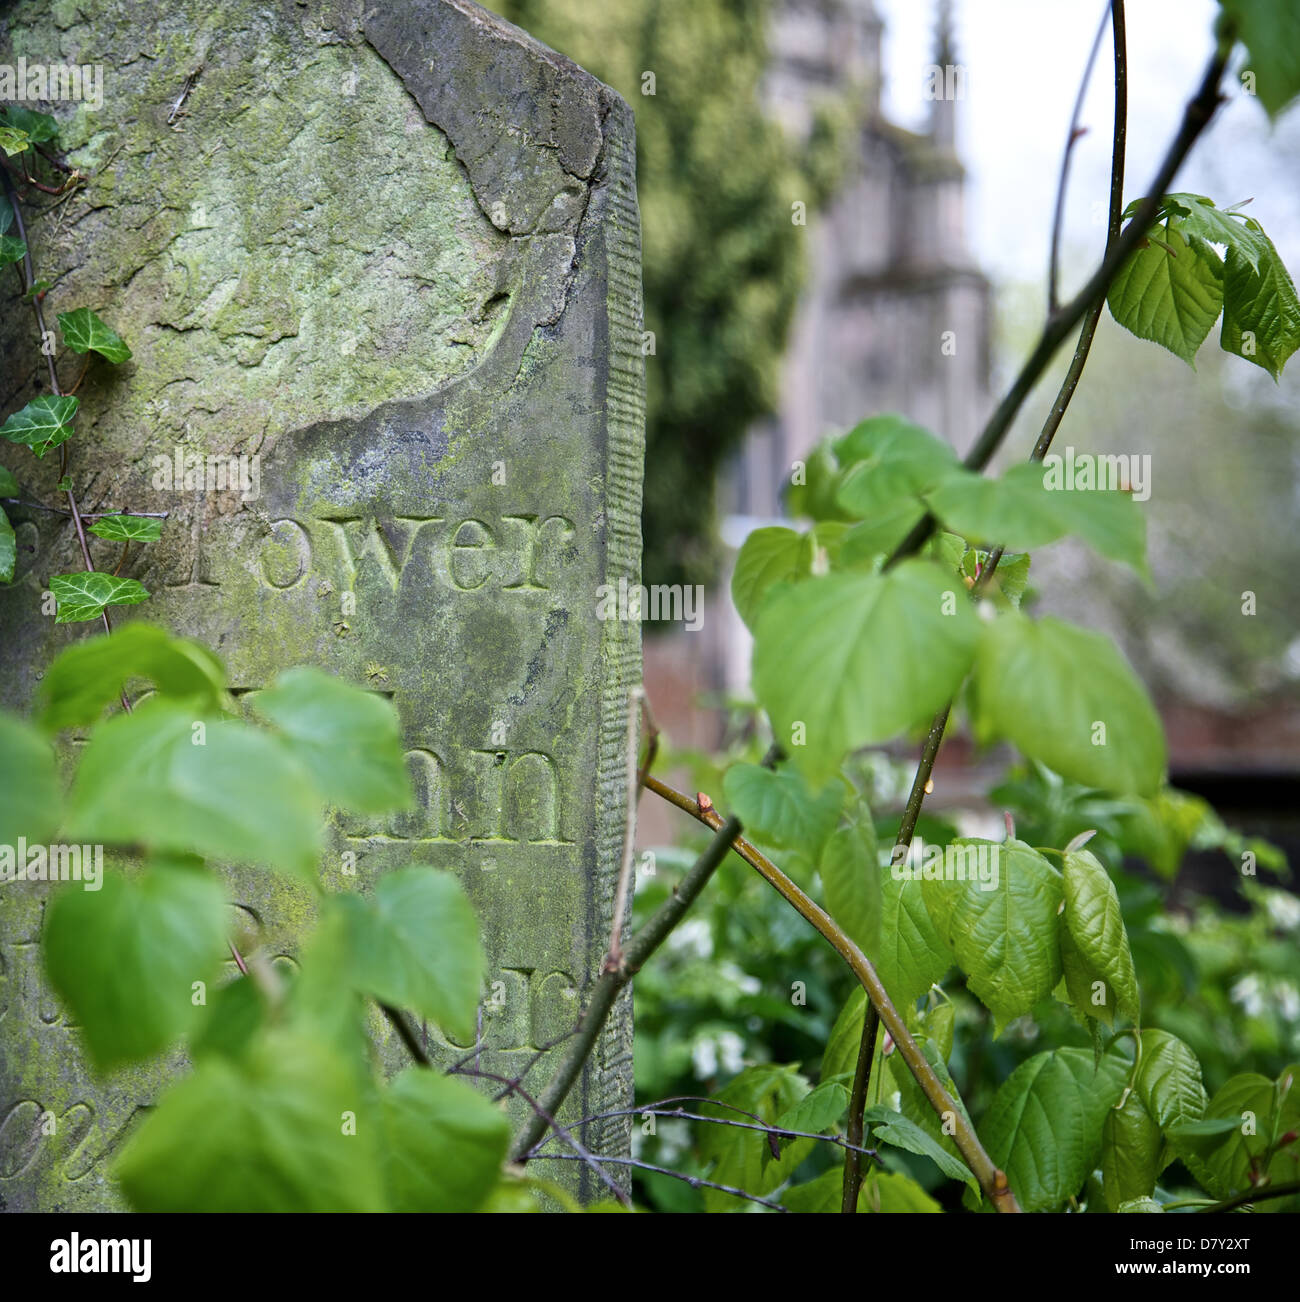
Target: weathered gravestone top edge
[548,154]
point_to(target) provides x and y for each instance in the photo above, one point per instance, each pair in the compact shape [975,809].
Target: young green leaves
[1172,288]
[43,424]
[84,332]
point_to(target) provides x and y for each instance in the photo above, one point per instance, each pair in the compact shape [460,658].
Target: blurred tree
[723,260]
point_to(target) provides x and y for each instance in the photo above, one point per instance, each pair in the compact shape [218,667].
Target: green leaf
[8,549]
[126,956]
[6,214]
[889,458]
[743,1158]
[1096,927]
[1169,290]
[814,499]
[30,796]
[84,595]
[91,674]
[1044,1126]
[1223,1161]
[858,658]
[12,249]
[348,739]
[43,424]
[850,872]
[1131,1144]
[780,807]
[877,537]
[1168,1082]
[1031,505]
[912,954]
[818,1110]
[235,1013]
[40,128]
[894,1128]
[1067,698]
[13,141]
[8,483]
[1261,313]
[127,528]
[83,332]
[1270,30]
[823,1195]
[1000,922]
[1011,578]
[892,1192]
[38,288]
[268,1133]
[443,1143]
[164,778]
[415,944]
[767,557]
[840,1057]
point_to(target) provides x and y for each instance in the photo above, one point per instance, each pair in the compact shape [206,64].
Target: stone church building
[895,315]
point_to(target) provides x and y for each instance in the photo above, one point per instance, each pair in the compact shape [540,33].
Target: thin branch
[1253,1196]
[695,1181]
[1196,117]
[652,735]
[405,1034]
[1075,134]
[992,1180]
[858,1106]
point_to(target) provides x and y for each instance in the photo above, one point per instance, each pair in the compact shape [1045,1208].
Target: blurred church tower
[894,314]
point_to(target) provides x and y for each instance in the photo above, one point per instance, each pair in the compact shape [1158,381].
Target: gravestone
[380,270]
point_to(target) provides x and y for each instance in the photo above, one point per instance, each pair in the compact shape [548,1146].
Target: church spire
[946,82]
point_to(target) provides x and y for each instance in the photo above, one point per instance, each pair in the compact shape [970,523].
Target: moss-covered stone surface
[391,253]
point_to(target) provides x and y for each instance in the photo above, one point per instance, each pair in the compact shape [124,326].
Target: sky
[1024,60]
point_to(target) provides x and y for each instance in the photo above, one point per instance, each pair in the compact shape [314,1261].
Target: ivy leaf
[126,956]
[1044,1126]
[83,596]
[348,739]
[83,332]
[1067,698]
[767,557]
[8,483]
[850,872]
[1169,290]
[896,1129]
[1131,1144]
[415,944]
[43,424]
[1096,927]
[13,141]
[1270,30]
[12,249]
[1002,935]
[889,458]
[8,549]
[127,528]
[443,1143]
[857,658]
[90,674]
[30,796]
[781,808]
[912,955]
[6,214]
[164,778]
[264,1133]
[40,128]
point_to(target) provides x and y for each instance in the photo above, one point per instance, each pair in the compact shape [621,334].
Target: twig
[1196,116]
[652,735]
[695,1181]
[858,1106]
[992,1180]
[1076,132]
[1253,1196]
